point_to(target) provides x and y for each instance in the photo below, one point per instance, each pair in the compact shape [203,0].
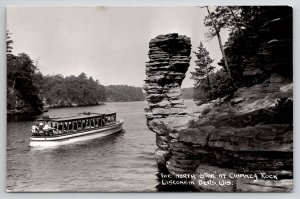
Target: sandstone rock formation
[253,136]
[250,133]
[169,58]
[274,55]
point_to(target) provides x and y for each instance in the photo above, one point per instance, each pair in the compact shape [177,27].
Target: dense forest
[121,93]
[29,91]
[59,91]
[259,48]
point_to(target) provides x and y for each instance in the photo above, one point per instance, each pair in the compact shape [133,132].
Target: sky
[108,43]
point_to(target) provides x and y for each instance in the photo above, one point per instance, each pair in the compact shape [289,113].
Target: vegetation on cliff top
[259,46]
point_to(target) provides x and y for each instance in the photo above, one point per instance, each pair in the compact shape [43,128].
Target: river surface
[122,162]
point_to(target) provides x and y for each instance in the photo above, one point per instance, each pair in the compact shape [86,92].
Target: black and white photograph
[149,98]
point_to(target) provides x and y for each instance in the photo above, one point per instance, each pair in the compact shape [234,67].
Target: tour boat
[58,131]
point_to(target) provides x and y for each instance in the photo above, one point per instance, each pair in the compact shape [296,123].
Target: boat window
[88,123]
[70,126]
[60,126]
[75,125]
[96,122]
[83,124]
[65,126]
[92,123]
[79,124]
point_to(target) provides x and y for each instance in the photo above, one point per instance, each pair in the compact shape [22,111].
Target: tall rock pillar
[169,59]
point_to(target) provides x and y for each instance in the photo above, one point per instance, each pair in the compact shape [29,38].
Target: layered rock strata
[274,56]
[251,134]
[245,135]
[169,58]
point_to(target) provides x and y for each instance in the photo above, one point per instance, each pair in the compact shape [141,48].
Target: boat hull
[76,137]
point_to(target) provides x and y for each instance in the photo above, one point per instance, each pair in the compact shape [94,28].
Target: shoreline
[12,116]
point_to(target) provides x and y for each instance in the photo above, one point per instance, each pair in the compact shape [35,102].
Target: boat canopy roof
[74,117]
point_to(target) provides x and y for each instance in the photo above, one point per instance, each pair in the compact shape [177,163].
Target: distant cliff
[248,133]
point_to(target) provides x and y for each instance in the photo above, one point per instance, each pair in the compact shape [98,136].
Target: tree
[20,83]
[204,67]
[9,43]
[220,87]
[215,28]
[71,90]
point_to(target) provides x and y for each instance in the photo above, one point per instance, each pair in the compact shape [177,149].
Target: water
[121,162]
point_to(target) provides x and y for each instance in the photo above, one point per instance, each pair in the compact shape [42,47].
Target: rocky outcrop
[169,58]
[242,142]
[274,54]
[254,135]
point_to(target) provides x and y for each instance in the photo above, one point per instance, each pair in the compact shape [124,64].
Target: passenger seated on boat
[48,129]
[34,129]
[41,126]
[37,129]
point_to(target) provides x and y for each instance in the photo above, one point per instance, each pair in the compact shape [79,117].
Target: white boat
[48,132]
